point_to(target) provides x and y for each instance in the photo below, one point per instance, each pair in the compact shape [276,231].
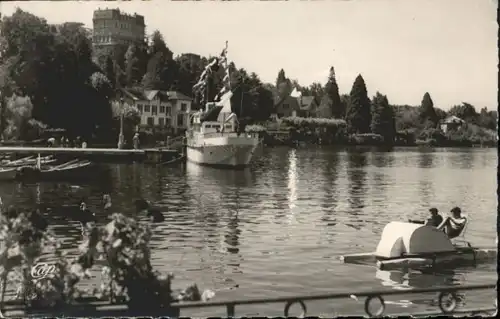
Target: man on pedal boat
[434,220]
[454,224]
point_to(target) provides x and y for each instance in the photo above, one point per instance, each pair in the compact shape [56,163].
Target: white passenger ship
[213,136]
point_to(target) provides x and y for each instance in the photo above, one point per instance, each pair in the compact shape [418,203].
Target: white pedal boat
[409,245]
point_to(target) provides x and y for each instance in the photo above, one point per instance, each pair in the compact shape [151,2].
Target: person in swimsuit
[454,224]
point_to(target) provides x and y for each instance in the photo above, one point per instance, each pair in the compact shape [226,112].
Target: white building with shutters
[163,110]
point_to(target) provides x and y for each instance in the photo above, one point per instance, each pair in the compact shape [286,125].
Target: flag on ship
[202,83]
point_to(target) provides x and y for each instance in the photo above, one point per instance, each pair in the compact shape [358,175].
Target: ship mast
[227,68]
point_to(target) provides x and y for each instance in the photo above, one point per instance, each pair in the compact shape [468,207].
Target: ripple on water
[278,228]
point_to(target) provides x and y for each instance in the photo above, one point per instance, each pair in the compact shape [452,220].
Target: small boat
[8,162]
[27,161]
[70,170]
[8,174]
[417,246]
[73,169]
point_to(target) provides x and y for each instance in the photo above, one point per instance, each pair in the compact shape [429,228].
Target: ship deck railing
[228,134]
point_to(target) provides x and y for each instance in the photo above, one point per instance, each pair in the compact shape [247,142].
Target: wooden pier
[155,155]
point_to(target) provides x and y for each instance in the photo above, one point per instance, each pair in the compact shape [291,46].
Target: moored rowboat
[27,161]
[70,170]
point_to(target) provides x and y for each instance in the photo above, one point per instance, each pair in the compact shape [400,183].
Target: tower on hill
[112,28]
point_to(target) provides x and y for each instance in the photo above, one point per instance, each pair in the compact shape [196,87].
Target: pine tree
[383,118]
[358,114]
[427,111]
[281,77]
[332,91]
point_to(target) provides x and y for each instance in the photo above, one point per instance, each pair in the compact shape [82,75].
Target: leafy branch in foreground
[122,245]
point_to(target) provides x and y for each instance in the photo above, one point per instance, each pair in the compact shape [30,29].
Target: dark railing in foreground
[448,301]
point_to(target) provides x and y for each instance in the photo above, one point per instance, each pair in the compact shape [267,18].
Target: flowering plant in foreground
[122,245]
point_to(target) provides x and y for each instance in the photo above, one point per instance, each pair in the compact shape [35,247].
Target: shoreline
[418,144]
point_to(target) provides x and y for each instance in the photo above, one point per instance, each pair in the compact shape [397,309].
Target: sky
[402,48]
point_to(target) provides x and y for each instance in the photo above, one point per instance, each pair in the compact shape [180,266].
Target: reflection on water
[356,176]
[292,183]
[426,159]
[329,198]
[409,278]
[278,227]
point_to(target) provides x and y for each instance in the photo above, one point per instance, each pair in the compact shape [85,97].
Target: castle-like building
[112,27]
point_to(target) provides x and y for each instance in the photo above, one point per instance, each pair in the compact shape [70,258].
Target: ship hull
[223,152]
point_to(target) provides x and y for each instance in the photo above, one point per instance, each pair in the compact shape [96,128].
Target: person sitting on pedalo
[434,220]
[453,225]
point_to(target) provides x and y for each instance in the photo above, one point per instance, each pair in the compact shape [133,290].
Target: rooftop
[149,95]
[452,119]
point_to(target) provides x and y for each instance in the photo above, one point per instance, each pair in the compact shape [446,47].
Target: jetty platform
[153,155]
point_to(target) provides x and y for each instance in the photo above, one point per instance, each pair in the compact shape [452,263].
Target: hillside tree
[152,80]
[358,113]
[465,111]
[428,114]
[283,85]
[52,66]
[332,91]
[109,71]
[383,118]
[133,72]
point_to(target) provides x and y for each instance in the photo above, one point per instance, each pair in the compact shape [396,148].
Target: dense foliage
[383,122]
[375,121]
[70,86]
[52,66]
[122,246]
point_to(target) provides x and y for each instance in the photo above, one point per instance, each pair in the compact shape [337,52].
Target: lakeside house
[308,106]
[161,110]
[287,106]
[451,123]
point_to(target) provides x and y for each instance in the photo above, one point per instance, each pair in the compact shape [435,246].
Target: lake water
[278,228]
